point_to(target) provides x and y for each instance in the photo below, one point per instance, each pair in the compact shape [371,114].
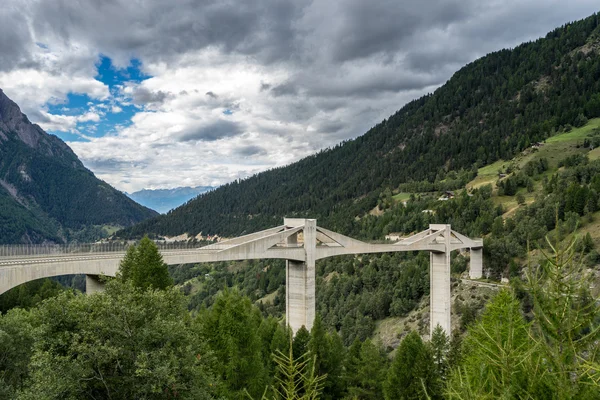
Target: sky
[169,93]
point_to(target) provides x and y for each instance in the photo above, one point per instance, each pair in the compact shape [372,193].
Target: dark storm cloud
[248,151]
[369,27]
[212,95]
[15,39]
[331,126]
[211,132]
[160,30]
[142,96]
[285,89]
[108,165]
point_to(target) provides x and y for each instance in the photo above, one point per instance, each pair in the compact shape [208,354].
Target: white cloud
[239,87]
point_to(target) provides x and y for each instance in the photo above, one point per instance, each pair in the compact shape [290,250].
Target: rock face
[46,193]
[12,120]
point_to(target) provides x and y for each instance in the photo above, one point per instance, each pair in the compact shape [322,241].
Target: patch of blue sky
[113,115]
[227,112]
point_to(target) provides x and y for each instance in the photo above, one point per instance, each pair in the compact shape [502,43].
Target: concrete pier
[93,284]
[439,286]
[476,263]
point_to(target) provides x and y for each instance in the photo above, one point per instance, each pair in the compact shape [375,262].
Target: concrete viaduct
[299,241]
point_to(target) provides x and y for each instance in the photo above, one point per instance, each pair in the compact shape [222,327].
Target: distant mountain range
[163,200]
[46,194]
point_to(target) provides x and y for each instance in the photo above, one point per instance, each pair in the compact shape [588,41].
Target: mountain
[491,109]
[46,194]
[163,200]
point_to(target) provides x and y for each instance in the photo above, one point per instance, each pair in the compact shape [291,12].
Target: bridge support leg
[439,287]
[93,284]
[476,264]
[300,299]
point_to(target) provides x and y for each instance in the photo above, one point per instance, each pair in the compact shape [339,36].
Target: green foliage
[412,373]
[566,319]
[440,349]
[230,329]
[301,340]
[16,347]
[121,344]
[366,369]
[29,294]
[296,378]
[496,355]
[327,351]
[144,267]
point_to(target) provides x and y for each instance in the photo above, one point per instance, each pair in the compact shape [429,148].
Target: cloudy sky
[167,93]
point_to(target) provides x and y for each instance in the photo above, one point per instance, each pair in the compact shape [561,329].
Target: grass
[401,197]
[593,228]
[594,154]
[555,149]
[111,229]
[492,169]
[576,133]
[267,299]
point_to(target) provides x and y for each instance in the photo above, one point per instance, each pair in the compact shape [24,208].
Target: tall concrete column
[476,264]
[300,280]
[439,287]
[93,284]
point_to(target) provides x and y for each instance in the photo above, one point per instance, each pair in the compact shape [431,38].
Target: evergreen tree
[127,264]
[327,351]
[496,355]
[144,267]
[301,340]
[566,320]
[369,373]
[412,373]
[295,378]
[440,348]
[230,328]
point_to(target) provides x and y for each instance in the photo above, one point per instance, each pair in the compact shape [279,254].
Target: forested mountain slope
[45,191]
[491,109]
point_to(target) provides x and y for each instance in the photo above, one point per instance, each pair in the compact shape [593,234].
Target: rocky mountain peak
[14,123]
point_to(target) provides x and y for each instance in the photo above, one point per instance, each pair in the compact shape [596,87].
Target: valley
[332,277]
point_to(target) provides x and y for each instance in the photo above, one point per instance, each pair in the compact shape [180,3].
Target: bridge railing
[33,250]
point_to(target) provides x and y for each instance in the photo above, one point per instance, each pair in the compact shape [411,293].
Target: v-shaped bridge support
[317,243]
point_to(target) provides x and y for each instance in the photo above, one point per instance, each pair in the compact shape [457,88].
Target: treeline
[491,109]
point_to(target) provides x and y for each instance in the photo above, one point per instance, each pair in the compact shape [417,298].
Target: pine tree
[566,319]
[295,378]
[301,340]
[496,355]
[318,345]
[370,372]
[412,374]
[128,264]
[150,271]
[440,348]
[230,328]
[144,267]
